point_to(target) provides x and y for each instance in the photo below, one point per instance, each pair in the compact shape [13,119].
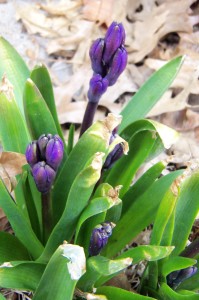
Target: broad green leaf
[40,76]
[15,69]
[140,214]
[19,223]
[163,214]
[78,198]
[150,92]
[2,297]
[103,191]
[176,263]
[64,269]
[98,135]
[120,294]
[22,276]
[95,207]
[166,293]
[13,135]
[98,266]
[186,211]
[125,168]
[11,248]
[167,135]
[37,113]
[145,252]
[141,185]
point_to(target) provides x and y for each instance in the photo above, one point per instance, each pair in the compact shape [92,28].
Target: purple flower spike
[99,237]
[43,176]
[114,38]
[118,65]
[42,142]
[96,52]
[32,154]
[97,88]
[54,152]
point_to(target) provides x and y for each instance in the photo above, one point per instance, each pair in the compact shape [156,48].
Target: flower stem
[88,116]
[46,215]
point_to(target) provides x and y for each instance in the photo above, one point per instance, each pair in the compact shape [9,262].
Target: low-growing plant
[74,208]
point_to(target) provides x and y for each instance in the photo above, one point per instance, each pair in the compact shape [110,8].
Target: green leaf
[2,297]
[176,263]
[120,175]
[22,276]
[11,248]
[98,267]
[141,185]
[95,207]
[98,136]
[120,294]
[78,198]
[145,252]
[164,212]
[41,78]
[13,135]
[15,69]
[71,139]
[19,223]
[37,113]
[140,214]
[67,265]
[150,92]
[166,293]
[186,211]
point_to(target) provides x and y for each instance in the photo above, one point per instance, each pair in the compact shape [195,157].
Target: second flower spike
[44,157]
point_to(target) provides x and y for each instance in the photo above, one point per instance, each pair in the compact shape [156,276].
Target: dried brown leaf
[10,165]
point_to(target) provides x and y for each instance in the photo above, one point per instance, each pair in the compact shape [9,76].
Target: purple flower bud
[32,154]
[99,237]
[113,156]
[117,65]
[54,152]
[42,142]
[96,52]
[114,38]
[177,277]
[43,176]
[97,88]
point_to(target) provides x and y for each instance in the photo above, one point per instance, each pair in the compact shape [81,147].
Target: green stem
[46,215]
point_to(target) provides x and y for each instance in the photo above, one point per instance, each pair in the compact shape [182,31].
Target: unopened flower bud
[96,52]
[54,152]
[42,142]
[113,156]
[97,88]
[117,65]
[32,154]
[177,277]
[43,176]
[99,237]
[114,38]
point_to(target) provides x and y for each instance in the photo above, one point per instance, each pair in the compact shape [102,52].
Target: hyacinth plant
[74,208]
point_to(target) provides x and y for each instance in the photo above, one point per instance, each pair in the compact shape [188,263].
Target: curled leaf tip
[77,260]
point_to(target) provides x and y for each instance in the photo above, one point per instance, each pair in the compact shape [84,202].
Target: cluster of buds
[108,59]
[44,157]
[99,237]
[177,277]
